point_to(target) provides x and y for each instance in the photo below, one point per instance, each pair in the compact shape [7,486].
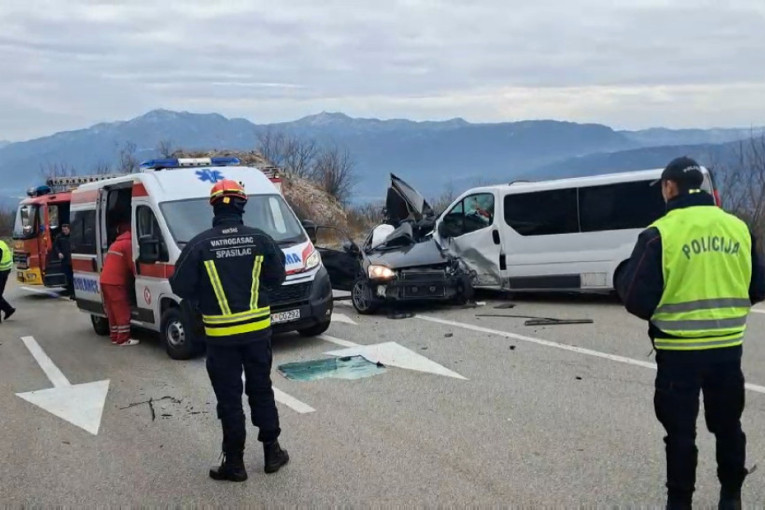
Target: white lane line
[579,350]
[55,375]
[340,317]
[288,400]
[757,310]
[41,291]
[338,341]
[292,402]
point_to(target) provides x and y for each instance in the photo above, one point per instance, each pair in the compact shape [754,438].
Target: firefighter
[6,264]
[228,270]
[62,249]
[116,280]
[693,275]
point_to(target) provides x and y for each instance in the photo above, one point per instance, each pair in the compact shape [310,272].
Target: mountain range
[430,155]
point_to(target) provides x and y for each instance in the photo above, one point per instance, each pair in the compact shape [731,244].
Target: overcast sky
[68,64]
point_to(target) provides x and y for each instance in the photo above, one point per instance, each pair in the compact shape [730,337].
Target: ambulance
[167,203]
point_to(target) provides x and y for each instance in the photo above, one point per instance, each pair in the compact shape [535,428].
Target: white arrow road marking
[338,341]
[580,350]
[339,317]
[395,355]
[79,404]
[42,291]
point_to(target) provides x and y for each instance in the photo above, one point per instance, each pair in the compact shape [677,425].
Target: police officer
[693,275]
[229,270]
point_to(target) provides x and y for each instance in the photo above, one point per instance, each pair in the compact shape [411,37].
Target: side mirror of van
[311,229]
[443,231]
[148,249]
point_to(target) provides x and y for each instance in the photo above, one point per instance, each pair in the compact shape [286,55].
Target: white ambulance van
[570,235]
[167,203]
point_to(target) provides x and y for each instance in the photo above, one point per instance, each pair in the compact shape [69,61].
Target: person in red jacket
[116,279]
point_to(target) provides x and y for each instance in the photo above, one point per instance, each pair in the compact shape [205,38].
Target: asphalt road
[541,415]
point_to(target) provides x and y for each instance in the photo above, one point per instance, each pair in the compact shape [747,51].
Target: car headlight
[380,273]
[313,260]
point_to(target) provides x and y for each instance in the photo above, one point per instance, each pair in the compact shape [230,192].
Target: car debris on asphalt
[539,321]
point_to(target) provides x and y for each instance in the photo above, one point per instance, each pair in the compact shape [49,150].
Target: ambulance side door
[151,276]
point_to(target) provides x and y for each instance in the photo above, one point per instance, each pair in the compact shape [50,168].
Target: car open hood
[403,202]
[423,254]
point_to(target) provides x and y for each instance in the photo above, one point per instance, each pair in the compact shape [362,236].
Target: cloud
[680,63]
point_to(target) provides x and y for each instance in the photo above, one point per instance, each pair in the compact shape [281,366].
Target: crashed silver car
[399,261]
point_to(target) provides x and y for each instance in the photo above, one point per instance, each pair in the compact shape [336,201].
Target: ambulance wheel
[100,325]
[178,335]
[315,330]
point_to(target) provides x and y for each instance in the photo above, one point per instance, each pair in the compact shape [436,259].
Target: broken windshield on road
[269,213]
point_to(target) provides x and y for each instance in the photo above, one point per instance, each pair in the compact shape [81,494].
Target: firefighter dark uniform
[228,270]
[693,275]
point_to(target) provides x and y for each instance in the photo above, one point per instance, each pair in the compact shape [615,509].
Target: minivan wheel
[100,325]
[178,335]
[361,297]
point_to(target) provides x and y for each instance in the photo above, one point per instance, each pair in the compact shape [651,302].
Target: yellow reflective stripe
[217,286]
[672,346]
[255,281]
[237,317]
[237,330]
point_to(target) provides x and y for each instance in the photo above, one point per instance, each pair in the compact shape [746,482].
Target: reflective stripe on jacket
[707,270]
[6,261]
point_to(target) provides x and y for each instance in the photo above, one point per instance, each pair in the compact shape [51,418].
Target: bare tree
[271,146]
[7,219]
[101,168]
[165,148]
[299,156]
[742,182]
[333,171]
[128,163]
[57,170]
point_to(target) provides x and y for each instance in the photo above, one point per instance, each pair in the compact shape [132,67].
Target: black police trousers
[224,366]
[676,402]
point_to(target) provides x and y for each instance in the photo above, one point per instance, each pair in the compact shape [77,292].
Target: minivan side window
[620,206]
[82,237]
[540,213]
[472,213]
[148,225]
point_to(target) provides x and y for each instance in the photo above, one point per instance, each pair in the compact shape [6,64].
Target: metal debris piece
[396,314]
[448,335]
[539,321]
[504,306]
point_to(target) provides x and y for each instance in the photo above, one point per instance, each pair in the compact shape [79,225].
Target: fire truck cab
[37,224]
[167,204]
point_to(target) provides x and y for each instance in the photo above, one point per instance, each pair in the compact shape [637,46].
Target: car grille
[424,291]
[424,275]
[290,293]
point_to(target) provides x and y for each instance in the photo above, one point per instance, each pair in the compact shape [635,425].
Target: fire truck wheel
[177,335]
[100,325]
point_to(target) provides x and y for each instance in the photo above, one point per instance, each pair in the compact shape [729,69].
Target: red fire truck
[38,222]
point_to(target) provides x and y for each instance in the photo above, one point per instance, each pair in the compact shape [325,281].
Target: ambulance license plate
[291,315]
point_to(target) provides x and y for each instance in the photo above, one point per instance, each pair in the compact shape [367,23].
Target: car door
[150,277]
[339,255]
[470,231]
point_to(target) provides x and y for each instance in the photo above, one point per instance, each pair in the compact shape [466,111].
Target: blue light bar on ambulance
[156,164]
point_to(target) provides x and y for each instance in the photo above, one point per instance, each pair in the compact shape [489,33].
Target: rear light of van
[718,201]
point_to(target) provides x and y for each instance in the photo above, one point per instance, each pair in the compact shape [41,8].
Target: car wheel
[361,297]
[315,330]
[100,325]
[178,335]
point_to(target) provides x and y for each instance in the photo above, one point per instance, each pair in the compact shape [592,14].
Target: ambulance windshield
[270,213]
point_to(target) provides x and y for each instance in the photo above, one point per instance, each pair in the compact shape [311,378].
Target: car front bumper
[315,309]
[416,285]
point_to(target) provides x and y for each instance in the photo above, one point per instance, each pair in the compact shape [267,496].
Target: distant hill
[429,155]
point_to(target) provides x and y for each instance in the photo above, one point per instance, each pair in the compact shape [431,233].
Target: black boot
[275,456]
[729,500]
[231,469]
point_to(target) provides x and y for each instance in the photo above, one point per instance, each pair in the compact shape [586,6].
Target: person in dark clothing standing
[6,264]
[693,275]
[229,269]
[64,253]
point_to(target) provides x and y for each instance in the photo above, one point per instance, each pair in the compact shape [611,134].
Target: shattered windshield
[24,226]
[269,213]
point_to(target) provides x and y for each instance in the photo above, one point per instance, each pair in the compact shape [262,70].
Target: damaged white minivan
[559,235]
